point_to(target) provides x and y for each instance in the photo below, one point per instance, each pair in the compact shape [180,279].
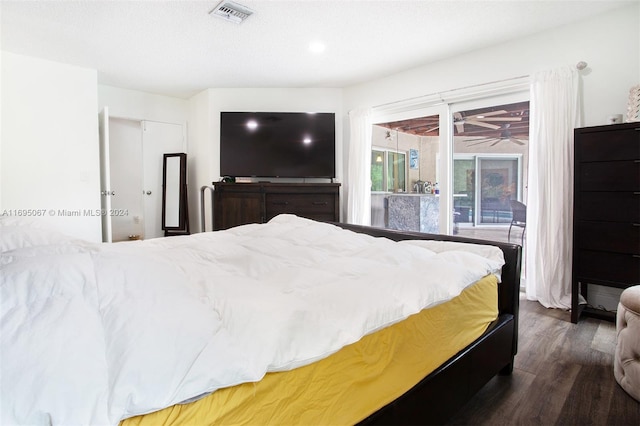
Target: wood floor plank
[605,338]
[547,395]
[589,400]
[624,410]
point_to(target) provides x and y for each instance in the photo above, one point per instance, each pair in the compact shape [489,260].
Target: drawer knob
[320,203]
[280,203]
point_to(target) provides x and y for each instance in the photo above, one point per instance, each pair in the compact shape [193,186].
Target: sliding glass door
[490,156]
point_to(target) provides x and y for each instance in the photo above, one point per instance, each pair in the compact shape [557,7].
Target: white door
[125,159]
[105,176]
[157,139]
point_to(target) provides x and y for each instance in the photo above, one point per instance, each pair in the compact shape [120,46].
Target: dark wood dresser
[241,203]
[606,235]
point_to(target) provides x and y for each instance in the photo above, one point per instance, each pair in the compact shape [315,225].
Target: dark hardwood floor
[563,375]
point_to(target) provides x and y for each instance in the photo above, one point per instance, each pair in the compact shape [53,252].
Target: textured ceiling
[176,48]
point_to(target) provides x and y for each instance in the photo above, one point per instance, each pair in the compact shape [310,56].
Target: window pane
[396,171]
[377,170]
[498,185]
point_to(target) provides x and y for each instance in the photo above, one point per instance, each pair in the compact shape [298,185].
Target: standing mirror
[175,217]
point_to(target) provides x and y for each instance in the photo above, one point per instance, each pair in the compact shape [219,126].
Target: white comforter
[95,333]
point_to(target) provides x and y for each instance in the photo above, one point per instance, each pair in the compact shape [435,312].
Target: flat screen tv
[277,144]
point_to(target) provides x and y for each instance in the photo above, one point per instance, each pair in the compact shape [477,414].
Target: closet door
[157,139]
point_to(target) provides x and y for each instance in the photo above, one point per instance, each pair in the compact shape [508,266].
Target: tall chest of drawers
[606,235]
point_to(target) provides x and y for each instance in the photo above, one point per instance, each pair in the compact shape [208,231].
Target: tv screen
[277,144]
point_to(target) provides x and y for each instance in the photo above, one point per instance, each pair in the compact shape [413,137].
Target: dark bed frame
[443,392]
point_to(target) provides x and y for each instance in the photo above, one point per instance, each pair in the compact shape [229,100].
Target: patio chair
[519,218]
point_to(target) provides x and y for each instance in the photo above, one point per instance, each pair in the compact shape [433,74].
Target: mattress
[351,384]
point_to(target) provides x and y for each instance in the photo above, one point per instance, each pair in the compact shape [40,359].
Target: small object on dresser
[134,237]
[614,119]
[633,106]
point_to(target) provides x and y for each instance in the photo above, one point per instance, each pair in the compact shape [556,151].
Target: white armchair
[626,365]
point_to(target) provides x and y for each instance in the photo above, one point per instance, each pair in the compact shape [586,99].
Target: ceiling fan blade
[490,113]
[482,142]
[500,119]
[517,141]
[496,142]
[482,124]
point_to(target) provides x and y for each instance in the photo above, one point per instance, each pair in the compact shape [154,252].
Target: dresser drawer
[610,176]
[621,144]
[301,204]
[608,236]
[603,266]
[608,206]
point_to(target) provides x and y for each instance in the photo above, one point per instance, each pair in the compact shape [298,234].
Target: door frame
[105,178]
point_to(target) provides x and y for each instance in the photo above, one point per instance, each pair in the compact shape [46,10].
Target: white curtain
[359,167]
[554,115]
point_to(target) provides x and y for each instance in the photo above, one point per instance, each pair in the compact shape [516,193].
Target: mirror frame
[183,214]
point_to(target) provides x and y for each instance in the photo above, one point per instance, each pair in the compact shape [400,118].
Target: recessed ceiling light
[252,124]
[317,47]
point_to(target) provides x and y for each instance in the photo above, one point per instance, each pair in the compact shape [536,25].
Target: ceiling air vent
[231,11]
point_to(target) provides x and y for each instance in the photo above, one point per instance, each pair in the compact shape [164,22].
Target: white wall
[50,158]
[609,43]
[201,161]
[137,105]
[205,120]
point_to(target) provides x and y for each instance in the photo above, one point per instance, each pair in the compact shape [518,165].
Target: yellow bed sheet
[354,382]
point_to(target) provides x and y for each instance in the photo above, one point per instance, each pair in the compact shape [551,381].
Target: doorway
[404,174]
[131,175]
[490,162]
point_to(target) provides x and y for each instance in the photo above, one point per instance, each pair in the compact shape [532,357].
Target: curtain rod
[441,96]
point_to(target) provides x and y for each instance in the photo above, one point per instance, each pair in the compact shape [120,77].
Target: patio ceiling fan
[505,135]
[482,120]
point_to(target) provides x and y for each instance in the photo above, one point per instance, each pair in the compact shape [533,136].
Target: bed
[142,332]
